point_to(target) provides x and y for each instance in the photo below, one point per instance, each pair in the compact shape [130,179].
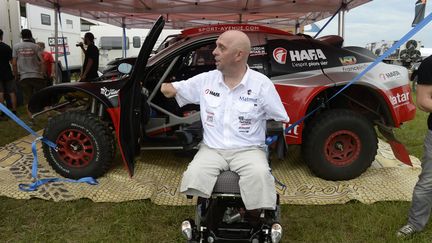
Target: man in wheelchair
[235,103]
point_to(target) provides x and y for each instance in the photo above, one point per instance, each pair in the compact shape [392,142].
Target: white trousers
[257,185]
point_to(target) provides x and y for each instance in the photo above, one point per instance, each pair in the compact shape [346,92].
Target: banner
[420,7]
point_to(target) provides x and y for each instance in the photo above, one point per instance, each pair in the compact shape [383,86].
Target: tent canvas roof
[188,13]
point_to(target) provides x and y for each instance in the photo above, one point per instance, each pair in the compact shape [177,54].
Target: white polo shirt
[232,118]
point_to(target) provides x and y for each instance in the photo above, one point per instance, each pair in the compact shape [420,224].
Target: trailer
[15,16]
[109,40]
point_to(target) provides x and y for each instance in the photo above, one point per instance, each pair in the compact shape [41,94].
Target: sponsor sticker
[399,99]
[293,131]
[356,68]
[280,55]
[257,51]
[109,93]
[307,55]
[348,60]
[390,75]
[307,58]
[222,28]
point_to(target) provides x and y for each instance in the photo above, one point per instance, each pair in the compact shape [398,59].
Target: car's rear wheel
[85,145]
[339,145]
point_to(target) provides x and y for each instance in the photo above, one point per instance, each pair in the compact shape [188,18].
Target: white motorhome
[15,16]
[109,40]
[10,21]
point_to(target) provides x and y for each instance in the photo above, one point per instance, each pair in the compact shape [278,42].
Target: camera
[79,44]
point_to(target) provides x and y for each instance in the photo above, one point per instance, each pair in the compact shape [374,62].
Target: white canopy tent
[187,13]
[180,14]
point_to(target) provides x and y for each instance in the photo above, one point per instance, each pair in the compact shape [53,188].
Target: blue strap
[404,39]
[34,186]
[328,21]
[270,140]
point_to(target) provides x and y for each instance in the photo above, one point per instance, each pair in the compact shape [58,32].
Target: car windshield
[173,46]
[169,40]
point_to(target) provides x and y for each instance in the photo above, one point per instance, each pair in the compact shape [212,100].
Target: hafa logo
[280,55]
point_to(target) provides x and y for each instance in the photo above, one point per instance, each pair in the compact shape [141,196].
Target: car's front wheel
[85,145]
[339,145]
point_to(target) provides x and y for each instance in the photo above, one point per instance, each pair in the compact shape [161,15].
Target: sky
[381,20]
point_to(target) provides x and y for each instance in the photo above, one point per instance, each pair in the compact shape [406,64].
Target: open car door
[130,100]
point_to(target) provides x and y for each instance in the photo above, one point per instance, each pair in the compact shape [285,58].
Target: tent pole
[124,37]
[297,27]
[56,66]
[341,21]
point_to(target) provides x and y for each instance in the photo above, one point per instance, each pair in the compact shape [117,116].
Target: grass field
[142,221]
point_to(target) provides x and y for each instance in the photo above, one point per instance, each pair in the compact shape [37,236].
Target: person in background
[91,60]
[421,204]
[28,67]
[235,102]
[49,64]
[7,82]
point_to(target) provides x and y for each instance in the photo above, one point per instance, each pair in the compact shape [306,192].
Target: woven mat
[158,173]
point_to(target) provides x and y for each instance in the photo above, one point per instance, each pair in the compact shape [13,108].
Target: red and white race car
[339,141]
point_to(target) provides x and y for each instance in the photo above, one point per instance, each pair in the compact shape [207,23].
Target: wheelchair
[223,217]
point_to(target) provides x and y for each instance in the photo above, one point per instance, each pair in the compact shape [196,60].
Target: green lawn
[142,221]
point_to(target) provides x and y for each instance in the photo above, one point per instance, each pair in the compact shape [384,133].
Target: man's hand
[168,90]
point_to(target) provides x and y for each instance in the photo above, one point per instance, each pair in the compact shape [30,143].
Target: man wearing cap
[91,61]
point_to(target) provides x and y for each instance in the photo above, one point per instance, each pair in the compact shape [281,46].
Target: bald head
[232,52]
[238,40]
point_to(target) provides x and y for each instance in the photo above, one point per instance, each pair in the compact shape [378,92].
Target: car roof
[220,28]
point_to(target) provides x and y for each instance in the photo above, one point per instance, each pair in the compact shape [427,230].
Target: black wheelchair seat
[227,183]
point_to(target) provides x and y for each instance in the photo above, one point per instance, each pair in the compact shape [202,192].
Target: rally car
[338,139]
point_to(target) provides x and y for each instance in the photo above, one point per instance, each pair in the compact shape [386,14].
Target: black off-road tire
[86,145]
[339,145]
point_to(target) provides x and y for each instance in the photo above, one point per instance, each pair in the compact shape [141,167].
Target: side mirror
[125,68]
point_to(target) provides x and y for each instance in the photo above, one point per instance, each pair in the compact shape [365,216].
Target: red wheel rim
[75,148]
[342,147]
